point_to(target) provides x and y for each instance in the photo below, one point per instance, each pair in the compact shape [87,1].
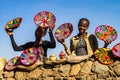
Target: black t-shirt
[45,44]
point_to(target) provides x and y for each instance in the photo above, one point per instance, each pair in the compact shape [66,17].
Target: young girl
[83,43]
[43,45]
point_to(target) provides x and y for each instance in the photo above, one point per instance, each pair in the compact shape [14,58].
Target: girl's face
[83,26]
[40,32]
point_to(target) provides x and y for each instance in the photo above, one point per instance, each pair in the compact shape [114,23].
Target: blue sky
[97,11]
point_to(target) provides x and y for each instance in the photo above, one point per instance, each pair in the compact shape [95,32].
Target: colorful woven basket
[63,31]
[106,33]
[116,50]
[13,24]
[104,55]
[12,63]
[29,56]
[44,19]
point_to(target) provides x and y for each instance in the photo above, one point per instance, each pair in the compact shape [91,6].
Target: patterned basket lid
[13,24]
[116,50]
[63,31]
[104,55]
[30,56]
[106,33]
[44,19]
[12,63]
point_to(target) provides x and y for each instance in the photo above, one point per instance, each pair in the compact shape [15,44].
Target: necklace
[83,35]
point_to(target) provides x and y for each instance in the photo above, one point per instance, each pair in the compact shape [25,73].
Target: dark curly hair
[82,20]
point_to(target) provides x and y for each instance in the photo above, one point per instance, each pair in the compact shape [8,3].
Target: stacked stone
[63,70]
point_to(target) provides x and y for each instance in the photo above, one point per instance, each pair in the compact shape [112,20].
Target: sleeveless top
[74,43]
[81,48]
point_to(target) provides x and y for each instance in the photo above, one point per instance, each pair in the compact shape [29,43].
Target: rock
[2,63]
[91,77]
[77,59]
[58,78]
[71,78]
[9,74]
[117,78]
[51,62]
[103,76]
[64,70]
[87,67]
[55,69]
[10,79]
[20,75]
[49,78]
[56,74]
[47,72]
[62,60]
[75,69]
[116,69]
[35,73]
[99,68]
[115,63]
[110,78]
[1,76]
[81,78]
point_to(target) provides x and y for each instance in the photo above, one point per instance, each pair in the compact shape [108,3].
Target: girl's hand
[106,44]
[62,41]
[9,32]
[51,28]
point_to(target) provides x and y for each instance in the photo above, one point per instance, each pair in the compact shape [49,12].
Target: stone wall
[62,70]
